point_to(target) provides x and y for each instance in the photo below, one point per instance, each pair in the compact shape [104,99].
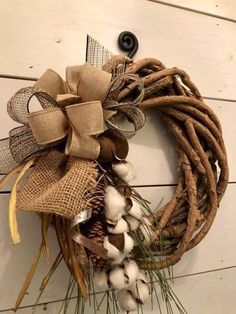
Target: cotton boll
[131,173]
[101,280]
[124,170]
[141,276]
[135,210]
[121,169]
[129,243]
[132,222]
[121,227]
[140,288]
[140,291]
[131,270]
[114,203]
[118,279]
[127,301]
[113,252]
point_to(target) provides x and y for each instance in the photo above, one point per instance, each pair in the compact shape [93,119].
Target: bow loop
[48,125]
[52,84]
[88,82]
[23,146]
[18,106]
[129,108]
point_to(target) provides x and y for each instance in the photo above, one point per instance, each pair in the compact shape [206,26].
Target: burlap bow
[74,111]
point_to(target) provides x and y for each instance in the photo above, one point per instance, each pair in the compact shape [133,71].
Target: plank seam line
[18,77]
[228,19]
[34,79]
[138,186]
[155,281]
[220,99]
[165,185]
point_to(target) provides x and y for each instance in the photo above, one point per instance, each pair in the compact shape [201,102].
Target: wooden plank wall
[35,35]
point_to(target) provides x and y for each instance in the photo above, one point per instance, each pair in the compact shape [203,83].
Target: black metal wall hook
[128,42]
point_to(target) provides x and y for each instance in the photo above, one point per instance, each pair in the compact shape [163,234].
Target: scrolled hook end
[128,42]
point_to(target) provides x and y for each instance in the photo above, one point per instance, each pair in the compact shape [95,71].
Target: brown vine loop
[185,220]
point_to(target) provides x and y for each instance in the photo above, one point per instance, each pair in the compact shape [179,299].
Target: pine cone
[95,229]
[97,205]
[97,200]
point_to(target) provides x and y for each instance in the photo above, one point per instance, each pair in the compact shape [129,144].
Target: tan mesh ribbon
[129,109]
[64,120]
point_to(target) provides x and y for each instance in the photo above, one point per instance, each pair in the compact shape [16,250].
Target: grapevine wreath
[79,181]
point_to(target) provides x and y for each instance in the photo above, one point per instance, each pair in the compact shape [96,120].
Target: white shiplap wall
[35,35]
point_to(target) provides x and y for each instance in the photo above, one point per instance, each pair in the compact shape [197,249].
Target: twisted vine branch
[186,219]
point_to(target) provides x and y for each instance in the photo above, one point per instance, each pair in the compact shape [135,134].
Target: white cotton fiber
[114,203]
[124,170]
[131,270]
[135,210]
[129,243]
[141,291]
[121,169]
[140,288]
[100,280]
[117,278]
[121,227]
[113,252]
[131,174]
[126,301]
[142,276]
[133,222]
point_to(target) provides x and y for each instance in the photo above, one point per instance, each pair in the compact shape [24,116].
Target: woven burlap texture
[59,184]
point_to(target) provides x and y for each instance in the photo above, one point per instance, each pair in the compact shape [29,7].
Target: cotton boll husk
[100,280]
[136,210]
[133,222]
[131,270]
[114,203]
[126,301]
[121,169]
[129,243]
[117,278]
[113,252]
[121,227]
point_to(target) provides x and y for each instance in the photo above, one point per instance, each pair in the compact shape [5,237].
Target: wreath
[79,181]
